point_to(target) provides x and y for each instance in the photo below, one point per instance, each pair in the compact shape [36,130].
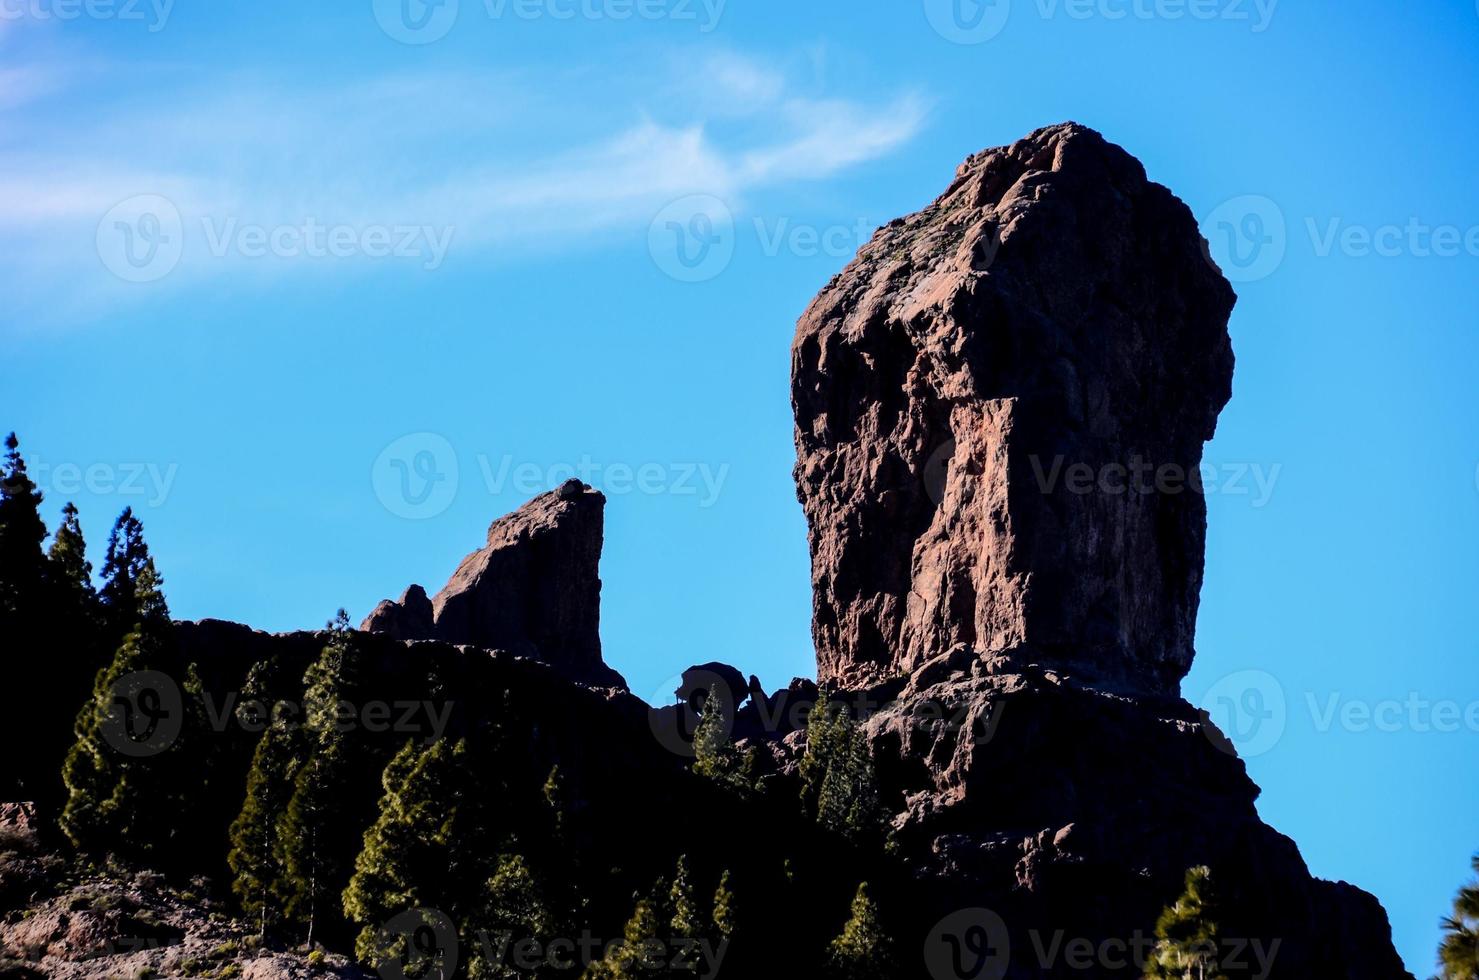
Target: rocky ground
[74,921]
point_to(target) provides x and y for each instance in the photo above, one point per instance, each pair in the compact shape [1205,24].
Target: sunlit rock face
[1000,410]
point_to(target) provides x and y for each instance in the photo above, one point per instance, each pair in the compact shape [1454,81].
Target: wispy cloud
[464,151]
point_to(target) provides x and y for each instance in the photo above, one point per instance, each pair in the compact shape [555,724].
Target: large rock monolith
[1000,409]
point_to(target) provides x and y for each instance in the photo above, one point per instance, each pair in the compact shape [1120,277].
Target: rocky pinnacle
[534,589]
[1000,410]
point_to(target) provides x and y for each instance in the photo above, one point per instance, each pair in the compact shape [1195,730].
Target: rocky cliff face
[533,590]
[1000,410]
[967,388]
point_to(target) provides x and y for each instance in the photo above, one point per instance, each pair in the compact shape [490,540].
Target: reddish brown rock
[534,589]
[998,405]
[410,618]
[1050,318]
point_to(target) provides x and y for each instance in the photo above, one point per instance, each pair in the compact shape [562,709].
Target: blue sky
[342,240]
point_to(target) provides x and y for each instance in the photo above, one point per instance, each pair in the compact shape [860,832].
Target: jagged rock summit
[533,590]
[964,390]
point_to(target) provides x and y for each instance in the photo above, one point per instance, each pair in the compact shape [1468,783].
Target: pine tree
[1188,941]
[311,840]
[824,736]
[863,951]
[1458,956]
[67,606]
[21,604]
[404,863]
[839,784]
[143,752]
[125,561]
[714,753]
[21,533]
[512,909]
[639,954]
[724,908]
[686,922]
[317,835]
[713,749]
[68,562]
[97,776]
[258,873]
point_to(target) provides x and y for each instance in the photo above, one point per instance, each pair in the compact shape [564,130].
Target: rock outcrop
[533,590]
[1000,412]
[967,389]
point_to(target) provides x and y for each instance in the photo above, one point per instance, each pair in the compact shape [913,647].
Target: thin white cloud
[832,135]
[436,149]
